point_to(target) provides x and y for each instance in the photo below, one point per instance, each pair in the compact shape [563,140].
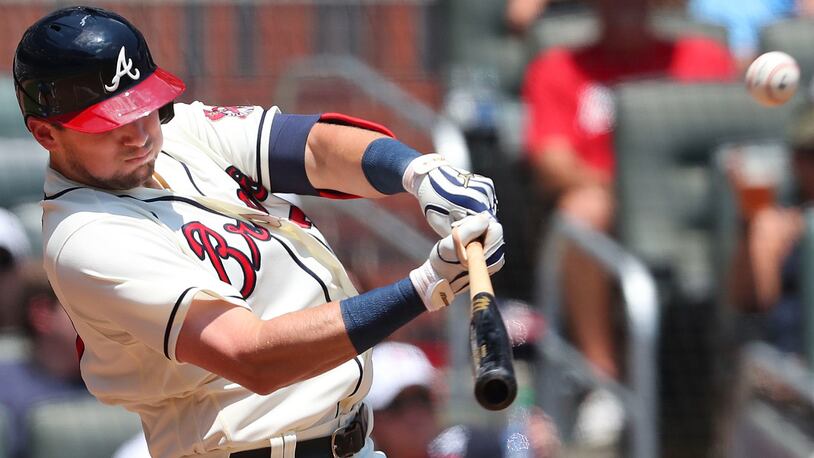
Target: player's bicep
[128,275]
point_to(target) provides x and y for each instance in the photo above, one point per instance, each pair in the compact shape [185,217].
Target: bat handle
[479,281]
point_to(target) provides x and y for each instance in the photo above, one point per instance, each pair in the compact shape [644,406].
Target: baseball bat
[495,383]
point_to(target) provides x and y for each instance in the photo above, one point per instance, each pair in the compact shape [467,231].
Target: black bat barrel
[495,382]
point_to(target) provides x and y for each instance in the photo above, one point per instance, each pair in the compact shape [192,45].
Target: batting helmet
[90,70]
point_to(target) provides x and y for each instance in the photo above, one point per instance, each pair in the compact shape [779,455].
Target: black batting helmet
[90,70]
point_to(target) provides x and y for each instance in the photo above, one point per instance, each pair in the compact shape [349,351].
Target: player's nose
[135,133]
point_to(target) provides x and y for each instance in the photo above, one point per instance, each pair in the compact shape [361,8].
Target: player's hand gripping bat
[495,383]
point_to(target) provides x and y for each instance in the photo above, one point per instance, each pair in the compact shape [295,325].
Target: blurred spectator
[405,405]
[569,140]
[743,20]
[14,248]
[402,400]
[52,370]
[520,14]
[766,267]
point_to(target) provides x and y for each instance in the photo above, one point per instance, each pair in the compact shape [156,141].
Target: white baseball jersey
[127,264]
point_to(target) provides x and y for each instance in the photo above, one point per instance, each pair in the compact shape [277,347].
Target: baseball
[772,78]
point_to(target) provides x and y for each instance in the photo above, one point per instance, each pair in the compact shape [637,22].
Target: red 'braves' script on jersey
[208,243]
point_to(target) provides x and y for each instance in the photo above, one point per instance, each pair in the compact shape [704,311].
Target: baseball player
[203,302]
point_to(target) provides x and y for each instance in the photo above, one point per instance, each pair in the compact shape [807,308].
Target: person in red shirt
[568,93]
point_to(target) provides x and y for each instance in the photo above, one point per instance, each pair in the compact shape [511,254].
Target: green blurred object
[792,36]
[82,428]
[22,160]
[807,273]
[666,134]
[4,432]
[11,121]
[801,130]
[480,42]
[22,171]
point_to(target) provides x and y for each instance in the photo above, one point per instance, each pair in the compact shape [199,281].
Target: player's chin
[135,178]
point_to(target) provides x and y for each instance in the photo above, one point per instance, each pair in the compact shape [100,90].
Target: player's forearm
[304,344]
[295,347]
[265,355]
[300,345]
[333,158]
[357,323]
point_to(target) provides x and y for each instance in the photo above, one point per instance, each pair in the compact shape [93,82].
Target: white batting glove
[443,275]
[447,194]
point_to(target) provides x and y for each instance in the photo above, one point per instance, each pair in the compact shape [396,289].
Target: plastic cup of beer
[757,172]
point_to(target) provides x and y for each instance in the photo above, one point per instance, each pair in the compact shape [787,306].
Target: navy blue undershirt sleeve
[286,155]
[371,317]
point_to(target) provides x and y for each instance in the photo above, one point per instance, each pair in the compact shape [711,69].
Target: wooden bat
[495,383]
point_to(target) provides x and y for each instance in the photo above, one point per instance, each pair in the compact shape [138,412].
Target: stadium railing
[774,412]
[638,388]
[808,287]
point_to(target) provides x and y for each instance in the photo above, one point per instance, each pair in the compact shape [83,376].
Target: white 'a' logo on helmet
[123,67]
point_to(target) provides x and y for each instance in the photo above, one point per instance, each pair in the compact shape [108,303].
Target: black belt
[343,443]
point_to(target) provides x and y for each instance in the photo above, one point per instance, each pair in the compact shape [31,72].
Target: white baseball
[772,78]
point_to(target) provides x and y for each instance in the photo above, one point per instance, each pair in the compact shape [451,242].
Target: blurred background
[659,285]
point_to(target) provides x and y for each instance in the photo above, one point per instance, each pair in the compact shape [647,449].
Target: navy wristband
[384,163]
[371,317]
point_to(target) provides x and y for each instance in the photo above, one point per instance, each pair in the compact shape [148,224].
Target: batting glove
[447,194]
[444,275]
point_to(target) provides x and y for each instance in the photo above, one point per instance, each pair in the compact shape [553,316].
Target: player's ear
[43,132]
[166,113]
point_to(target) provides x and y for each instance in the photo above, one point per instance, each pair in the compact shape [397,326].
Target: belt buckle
[358,426]
[333,445]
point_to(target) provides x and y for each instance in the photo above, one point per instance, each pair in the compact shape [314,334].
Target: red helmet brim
[157,90]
